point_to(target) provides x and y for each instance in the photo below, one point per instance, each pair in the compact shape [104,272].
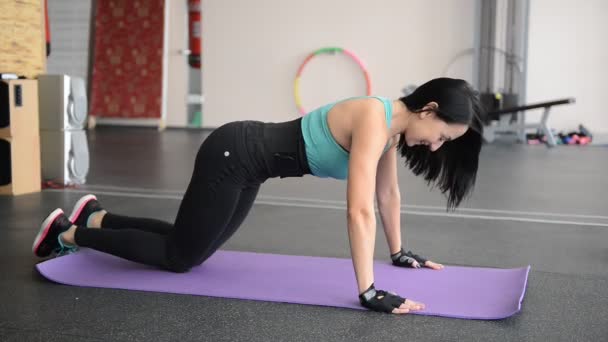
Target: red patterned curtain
[127,69]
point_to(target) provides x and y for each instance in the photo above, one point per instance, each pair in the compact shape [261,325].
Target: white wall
[252,49]
[69,23]
[568,57]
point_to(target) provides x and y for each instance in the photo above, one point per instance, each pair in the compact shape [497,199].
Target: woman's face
[426,128]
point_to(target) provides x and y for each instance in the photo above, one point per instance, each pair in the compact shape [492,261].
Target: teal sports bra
[326,158]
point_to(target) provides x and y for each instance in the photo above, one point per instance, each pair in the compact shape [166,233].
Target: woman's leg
[203,216]
[148,247]
[131,244]
[202,219]
[88,212]
[246,200]
[180,249]
[206,210]
[113,221]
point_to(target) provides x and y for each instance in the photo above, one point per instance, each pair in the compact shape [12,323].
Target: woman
[436,129]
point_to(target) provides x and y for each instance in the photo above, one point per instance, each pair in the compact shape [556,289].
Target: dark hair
[453,167]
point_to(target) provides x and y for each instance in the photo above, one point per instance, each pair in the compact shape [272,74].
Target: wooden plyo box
[19,108]
[20,165]
[22,38]
[20,170]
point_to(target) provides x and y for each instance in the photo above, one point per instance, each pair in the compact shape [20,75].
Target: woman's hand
[409,259]
[388,302]
[433,265]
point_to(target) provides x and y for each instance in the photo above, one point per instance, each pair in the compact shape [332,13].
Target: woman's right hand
[383,301]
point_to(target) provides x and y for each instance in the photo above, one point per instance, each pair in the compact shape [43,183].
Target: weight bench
[516,122]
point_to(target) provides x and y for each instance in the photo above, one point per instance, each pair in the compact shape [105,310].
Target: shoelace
[61,251]
[64,249]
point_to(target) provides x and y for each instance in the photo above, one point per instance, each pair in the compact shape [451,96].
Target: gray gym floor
[532,205]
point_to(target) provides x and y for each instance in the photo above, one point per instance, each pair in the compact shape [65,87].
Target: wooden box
[19,108]
[22,38]
[20,170]
[20,165]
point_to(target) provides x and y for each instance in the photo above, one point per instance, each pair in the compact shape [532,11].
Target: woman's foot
[67,238]
[87,212]
[48,239]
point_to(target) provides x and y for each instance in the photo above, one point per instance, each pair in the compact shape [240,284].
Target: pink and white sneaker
[85,206]
[47,241]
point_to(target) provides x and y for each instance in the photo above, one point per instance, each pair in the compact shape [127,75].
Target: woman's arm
[389,198]
[368,138]
[389,203]
[365,151]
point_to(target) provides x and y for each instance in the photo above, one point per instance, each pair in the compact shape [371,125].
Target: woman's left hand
[433,265]
[409,259]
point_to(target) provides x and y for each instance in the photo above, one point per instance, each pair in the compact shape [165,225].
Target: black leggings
[230,166]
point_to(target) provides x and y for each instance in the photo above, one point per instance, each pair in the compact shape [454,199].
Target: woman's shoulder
[369,112]
[366,103]
[366,98]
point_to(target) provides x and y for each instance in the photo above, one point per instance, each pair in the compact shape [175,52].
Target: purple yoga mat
[460,292]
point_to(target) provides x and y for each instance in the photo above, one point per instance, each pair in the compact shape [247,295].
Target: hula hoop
[328,50]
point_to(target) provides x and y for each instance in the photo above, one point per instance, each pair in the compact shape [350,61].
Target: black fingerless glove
[381,301]
[406,259]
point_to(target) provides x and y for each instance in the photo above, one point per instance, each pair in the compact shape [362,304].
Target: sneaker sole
[44,229]
[82,202]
